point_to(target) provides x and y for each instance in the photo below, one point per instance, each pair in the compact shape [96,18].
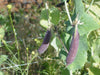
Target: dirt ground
[19,4]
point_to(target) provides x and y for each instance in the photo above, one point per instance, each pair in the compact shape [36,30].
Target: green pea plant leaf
[53,14]
[56,43]
[44,18]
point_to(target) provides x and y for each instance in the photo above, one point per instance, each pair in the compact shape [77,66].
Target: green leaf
[1,73]
[2,20]
[44,14]
[94,11]
[56,43]
[81,57]
[2,58]
[79,61]
[89,24]
[54,15]
[44,18]
[93,71]
[96,50]
[83,44]
[62,55]
[63,15]
[66,38]
[79,7]
[64,71]
[44,23]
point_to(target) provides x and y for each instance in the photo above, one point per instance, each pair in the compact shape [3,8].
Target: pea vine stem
[67,11]
[63,44]
[49,23]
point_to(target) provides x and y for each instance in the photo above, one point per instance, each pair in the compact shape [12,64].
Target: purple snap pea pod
[73,47]
[45,42]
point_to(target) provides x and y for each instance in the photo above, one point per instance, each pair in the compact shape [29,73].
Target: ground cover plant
[50,37]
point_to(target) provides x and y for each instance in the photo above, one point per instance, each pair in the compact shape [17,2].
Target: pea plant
[73,40]
[69,46]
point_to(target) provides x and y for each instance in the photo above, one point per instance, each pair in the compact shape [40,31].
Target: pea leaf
[79,8]
[96,50]
[64,71]
[56,43]
[54,15]
[62,55]
[94,11]
[94,71]
[89,24]
[44,18]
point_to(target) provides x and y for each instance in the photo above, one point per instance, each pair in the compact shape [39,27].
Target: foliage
[21,34]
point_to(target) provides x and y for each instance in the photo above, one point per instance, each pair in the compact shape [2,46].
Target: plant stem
[9,50]
[14,35]
[49,23]
[27,68]
[67,11]
[63,44]
[27,59]
[71,72]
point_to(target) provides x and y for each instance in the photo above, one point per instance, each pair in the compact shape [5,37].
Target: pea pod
[73,47]
[45,42]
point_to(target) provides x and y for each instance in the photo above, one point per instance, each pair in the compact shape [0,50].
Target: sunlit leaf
[56,43]
[79,8]
[44,23]
[44,18]
[93,71]
[89,24]
[94,11]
